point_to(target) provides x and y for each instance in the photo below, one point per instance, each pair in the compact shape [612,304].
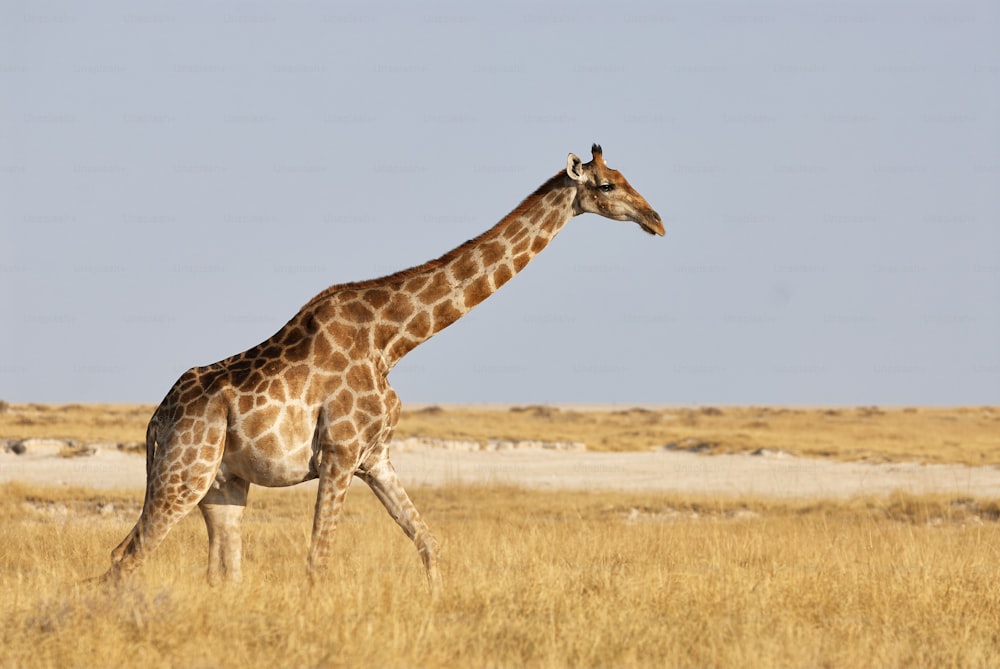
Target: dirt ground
[767,475]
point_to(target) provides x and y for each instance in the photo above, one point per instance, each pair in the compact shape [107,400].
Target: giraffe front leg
[336,468]
[381,477]
[222,507]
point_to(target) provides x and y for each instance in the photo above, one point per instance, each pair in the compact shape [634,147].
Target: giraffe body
[314,401]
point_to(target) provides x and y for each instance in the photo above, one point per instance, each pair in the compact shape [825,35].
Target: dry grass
[536,579]
[122,423]
[965,435]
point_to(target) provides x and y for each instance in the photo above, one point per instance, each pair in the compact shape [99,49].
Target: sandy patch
[769,475]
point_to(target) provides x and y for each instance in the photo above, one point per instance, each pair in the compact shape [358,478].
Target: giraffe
[313,401]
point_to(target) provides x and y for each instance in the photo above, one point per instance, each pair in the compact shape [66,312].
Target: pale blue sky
[177,179]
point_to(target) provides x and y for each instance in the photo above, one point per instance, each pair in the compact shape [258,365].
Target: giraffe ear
[574,168]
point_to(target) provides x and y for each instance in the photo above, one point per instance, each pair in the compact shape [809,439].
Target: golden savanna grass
[966,435]
[532,578]
[535,579]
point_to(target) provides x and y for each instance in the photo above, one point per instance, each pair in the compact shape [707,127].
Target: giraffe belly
[271,445]
[269,461]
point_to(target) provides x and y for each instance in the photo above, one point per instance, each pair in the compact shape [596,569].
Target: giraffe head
[602,190]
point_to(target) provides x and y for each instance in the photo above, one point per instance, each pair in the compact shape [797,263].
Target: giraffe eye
[607,188]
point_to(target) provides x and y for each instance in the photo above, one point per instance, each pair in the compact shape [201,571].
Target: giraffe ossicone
[313,401]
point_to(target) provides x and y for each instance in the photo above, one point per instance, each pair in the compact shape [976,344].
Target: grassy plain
[963,435]
[534,579]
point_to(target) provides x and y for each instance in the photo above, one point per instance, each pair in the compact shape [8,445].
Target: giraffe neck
[403,310]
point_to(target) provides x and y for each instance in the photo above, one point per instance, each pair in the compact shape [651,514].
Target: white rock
[40,447]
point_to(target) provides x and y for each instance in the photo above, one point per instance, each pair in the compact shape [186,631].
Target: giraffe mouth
[652,223]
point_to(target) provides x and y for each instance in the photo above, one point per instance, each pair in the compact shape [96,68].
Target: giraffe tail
[132,540]
[151,434]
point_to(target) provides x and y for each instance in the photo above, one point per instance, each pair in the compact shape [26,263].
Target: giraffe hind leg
[222,509]
[172,492]
[158,517]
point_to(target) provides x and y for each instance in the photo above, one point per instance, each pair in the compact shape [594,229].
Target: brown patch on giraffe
[520,261]
[477,291]
[202,468]
[551,222]
[535,215]
[492,252]
[537,244]
[465,267]
[343,430]
[502,275]
[398,309]
[376,297]
[251,380]
[371,405]
[323,312]
[296,378]
[291,334]
[344,401]
[189,456]
[435,290]
[269,446]
[521,246]
[245,403]
[343,335]
[401,347]
[234,440]
[320,386]
[239,372]
[190,394]
[271,352]
[356,312]
[553,195]
[198,432]
[214,436]
[260,421]
[419,326]
[445,314]
[298,351]
[347,295]
[190,379]
[514,230]
[372,432]
[415,283]
[338,362]
[383,334]
[359,378]
[322,349]
[277,390]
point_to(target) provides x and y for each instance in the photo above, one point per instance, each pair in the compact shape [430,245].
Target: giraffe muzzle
[652,223]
